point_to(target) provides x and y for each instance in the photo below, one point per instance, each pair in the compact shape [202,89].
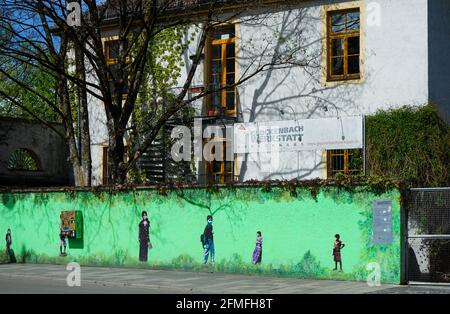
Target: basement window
[344,161]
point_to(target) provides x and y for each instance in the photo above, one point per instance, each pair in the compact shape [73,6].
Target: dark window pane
[216,52]
[229,167]
[216,82]
[337,23]
[215,101]
[353,22]
[217,167]
[230,79]
[231,65]
[114,68]
[113,49]
[353,46]
[353,65]
[216,67]
[230,51]
[340,163]
[228,178]
[337,47]
[337,66]
[230,101]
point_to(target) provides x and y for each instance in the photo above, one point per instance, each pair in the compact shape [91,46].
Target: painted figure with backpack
[207,239]
[9,250]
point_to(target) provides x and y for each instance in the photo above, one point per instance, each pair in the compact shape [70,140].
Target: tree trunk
[116,154]
[85,138]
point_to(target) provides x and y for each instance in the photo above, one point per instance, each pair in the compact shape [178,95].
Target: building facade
[320,66]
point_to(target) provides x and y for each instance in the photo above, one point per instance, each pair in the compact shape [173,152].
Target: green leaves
[33,77]
[411,144]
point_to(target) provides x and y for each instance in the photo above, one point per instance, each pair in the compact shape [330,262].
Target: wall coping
[318,183]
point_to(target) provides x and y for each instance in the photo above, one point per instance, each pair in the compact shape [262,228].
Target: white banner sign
[296,135]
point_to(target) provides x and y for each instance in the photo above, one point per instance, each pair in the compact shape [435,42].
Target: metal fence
[428,258]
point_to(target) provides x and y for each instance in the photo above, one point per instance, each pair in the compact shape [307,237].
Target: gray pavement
[33,278]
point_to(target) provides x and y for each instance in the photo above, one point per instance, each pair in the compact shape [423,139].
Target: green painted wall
[298,231]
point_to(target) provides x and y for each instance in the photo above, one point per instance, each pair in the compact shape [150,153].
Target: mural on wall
[299,222]
[71,228]
[144,237]
[257,253]
[68,224]
[62,243]
[9,251]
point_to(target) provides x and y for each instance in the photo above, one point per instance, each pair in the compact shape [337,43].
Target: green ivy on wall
[411,144]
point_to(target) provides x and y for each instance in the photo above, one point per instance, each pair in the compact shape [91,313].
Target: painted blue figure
[208,244]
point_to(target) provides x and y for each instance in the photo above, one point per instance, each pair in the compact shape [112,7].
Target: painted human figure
[208,241]
[8,243]
[144,237]
[62,243]
[338,245]
[257,253]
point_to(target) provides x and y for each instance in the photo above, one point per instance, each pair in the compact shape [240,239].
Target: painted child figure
[257,253]
[338,245]
[8,243]
[62,243]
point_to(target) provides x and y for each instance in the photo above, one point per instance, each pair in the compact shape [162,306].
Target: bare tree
[42,37]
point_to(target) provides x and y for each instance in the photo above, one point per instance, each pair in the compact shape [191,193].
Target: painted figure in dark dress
[144,237]
[338,245]
[8,243]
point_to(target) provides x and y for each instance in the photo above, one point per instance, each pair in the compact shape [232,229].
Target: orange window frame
[223,43]
[345,154]
[345,35]
[110,61]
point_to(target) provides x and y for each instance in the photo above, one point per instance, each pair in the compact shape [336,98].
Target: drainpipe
[364,143]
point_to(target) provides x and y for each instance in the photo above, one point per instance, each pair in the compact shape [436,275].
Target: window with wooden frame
[344,161]
[105,159]
[221,171]
[112,54]
[343,40]
[222,70]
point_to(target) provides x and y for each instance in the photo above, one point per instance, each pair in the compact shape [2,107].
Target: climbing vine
[410,144]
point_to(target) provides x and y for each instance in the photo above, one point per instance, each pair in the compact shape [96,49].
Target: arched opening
[24,160]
